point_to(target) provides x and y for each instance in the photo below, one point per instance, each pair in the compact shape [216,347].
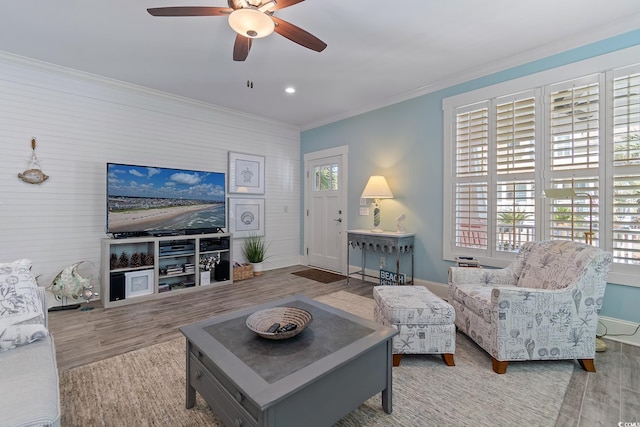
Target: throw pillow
[21,316]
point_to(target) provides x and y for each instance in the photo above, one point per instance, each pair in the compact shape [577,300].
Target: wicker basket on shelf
[245,271]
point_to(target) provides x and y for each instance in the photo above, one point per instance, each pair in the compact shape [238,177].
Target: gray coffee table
[313,379]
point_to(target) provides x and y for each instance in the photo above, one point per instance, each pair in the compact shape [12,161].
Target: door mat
[320,275]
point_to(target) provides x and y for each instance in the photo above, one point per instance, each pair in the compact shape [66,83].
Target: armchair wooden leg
[587,365]
[448,359]
[396,359]
[499,366]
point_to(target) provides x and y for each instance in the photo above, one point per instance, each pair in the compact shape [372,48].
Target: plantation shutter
[505,145]
[515,167]
[575,128]
[626,179]
[471,186]
[575,158]
[515,136]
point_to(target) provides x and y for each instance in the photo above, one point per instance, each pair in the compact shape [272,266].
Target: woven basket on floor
[260,321]
[245,271]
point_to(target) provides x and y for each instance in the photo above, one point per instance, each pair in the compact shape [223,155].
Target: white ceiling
[378,52]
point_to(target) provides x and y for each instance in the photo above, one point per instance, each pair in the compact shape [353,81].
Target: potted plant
[255,250]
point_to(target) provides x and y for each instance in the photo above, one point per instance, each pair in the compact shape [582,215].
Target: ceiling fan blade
[190,11]
[281,4]
[241,48]
[298,35]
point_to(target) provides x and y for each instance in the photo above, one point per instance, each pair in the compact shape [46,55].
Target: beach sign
[389,278]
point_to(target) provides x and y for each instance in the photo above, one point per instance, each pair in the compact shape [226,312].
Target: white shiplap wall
[81,122]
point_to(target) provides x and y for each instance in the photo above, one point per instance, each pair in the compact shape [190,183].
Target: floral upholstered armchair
[544,306]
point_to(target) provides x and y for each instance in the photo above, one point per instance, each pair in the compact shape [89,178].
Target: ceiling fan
[250,19]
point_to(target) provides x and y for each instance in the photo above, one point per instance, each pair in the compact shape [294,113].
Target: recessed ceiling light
[290,89]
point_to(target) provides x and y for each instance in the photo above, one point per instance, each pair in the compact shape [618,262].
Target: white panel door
[326,219]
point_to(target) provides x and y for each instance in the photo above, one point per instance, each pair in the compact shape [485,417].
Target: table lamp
[377,188]
[570,193]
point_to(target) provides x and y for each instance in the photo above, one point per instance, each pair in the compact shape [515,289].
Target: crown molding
[110,83]
[562,46]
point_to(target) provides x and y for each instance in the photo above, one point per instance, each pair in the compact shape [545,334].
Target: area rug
[320,275]
[146,387]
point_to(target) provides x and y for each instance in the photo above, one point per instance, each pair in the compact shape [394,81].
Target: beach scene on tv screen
[150,199]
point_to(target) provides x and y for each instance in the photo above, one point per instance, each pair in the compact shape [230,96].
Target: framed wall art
[246,217]
[138,283]
[246,173]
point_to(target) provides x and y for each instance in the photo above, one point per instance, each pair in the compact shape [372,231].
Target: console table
[386,242]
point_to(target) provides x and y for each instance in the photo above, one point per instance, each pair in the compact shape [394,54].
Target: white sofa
[29,379]
[544,306]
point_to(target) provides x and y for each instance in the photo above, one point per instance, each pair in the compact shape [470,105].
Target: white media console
[141,268]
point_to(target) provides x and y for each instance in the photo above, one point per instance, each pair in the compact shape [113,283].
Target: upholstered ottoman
[425,322]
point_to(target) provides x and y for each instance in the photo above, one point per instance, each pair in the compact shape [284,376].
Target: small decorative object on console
[209,262]
[123,261]
[70,284]
[399,225]
[134,262]
[279,323]
[88,294]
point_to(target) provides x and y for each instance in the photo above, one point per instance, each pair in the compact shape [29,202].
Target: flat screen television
[145,200]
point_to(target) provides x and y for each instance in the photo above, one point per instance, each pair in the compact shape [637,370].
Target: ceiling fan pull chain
[249,81]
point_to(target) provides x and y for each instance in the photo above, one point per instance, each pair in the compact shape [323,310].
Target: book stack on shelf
[173,269]
[182,285]
[189,268]
[467,261]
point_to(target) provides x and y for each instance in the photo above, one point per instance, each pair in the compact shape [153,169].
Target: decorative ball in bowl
[279,323]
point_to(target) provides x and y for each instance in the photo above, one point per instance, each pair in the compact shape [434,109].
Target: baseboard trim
[614,326]
[275,263]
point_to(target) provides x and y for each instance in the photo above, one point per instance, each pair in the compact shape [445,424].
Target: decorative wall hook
[33,174]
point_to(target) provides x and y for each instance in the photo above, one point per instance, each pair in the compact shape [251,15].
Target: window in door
[325,177]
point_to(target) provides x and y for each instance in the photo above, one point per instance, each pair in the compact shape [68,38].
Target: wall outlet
[383,261]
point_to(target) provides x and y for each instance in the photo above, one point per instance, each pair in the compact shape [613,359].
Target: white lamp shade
[251,23]
[377,188]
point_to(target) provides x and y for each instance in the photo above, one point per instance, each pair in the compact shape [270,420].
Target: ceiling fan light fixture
[251,23]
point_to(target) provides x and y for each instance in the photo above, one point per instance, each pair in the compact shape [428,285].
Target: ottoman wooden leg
[448,359]
[396,359]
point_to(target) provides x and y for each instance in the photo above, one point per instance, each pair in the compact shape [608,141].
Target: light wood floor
[605,398]
[87,336]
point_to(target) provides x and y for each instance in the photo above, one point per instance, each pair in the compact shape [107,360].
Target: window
[515,147]
[549,131]
[574,158]
[325,177]
[626,168]
[472,166]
